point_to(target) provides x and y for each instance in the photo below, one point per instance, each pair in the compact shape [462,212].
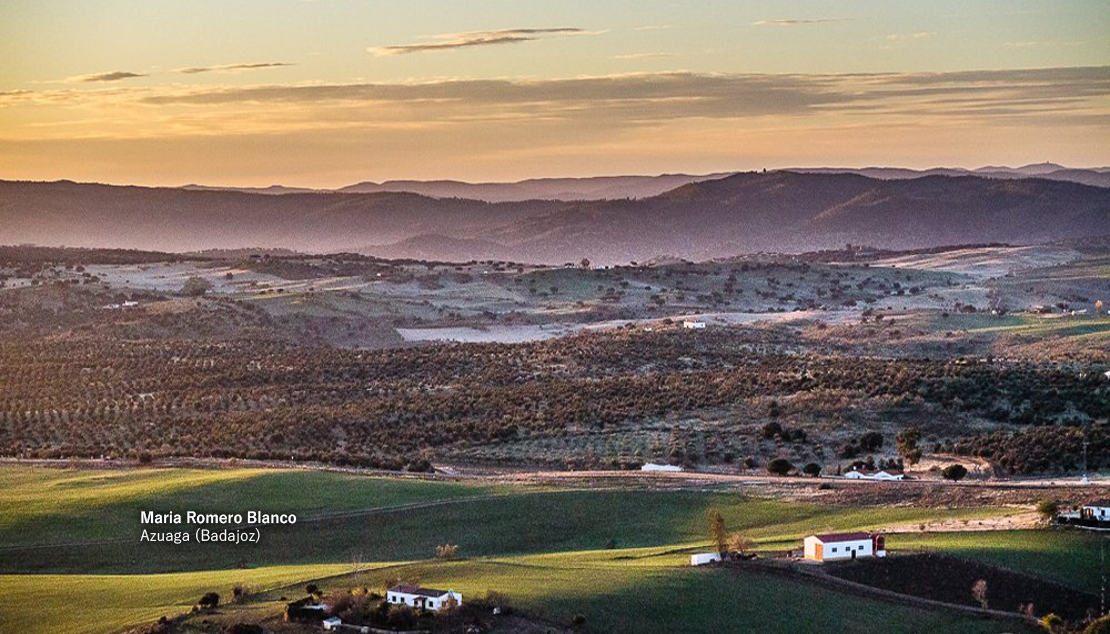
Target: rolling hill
[743,213]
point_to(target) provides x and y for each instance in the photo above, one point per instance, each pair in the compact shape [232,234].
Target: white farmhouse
[651,466]
[1098,511]
[422,598]
[693,324]
[887,475]
[700,559]
[838,546]
[332,624]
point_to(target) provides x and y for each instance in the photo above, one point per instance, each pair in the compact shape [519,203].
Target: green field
[1069,557]
[548,550]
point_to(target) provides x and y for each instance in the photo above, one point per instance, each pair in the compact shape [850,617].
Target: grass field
[546,549]
[96,604]
[527,521]
[1069,557]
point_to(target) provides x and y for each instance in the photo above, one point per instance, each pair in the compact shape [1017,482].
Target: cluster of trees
[91,396]
[1041,449]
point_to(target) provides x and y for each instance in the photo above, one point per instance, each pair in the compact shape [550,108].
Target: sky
[325,93]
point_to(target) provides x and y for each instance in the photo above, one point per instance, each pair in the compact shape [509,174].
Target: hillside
[750,212]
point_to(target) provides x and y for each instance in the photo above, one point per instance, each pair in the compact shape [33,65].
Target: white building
[422,598]
[837,546]
[867,474]
[700,559]
[651,466]
[693,324]
[332,624]
[1098,511]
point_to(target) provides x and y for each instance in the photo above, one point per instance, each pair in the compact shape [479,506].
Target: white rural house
[837,546]
[694,324]
[332,624]
[700,559]
[1098,511]
[868,474]
[423,598]
[651,466]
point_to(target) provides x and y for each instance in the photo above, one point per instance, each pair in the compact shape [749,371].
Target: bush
[871,441]
[447,551]
[209,600]
[954,472]
[195,287]
[779,466]
[1048,508]
[578,620]
[812,469]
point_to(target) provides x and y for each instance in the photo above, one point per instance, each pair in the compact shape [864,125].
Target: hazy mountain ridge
[618,187]
[744,213]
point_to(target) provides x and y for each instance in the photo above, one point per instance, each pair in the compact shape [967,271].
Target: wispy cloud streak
[116,75]
[230,68]
[797,22]
[449,41]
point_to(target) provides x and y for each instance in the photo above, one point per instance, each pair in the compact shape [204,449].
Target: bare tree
[979,592]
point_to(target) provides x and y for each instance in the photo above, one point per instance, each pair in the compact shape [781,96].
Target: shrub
[578,620]
[447,551]
[195,287]
[812,469]
[871,441]
[209,600]
[779,466]
[1048,508]
[954,472]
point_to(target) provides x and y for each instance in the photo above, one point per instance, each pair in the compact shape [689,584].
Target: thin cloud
[230,68]
[116,75]
[634,56]
[901,37]
[797,22]
[450,41]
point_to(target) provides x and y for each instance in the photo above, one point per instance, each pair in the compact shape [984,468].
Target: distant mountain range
[743,213]
[617,187]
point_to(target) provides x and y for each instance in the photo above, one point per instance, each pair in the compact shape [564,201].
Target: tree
[979,592]
[585,263]
[447,551]
[812,469]
[772,429]
[871,441]
[717,531]
[779,466]
[739,544]
[907,445]
[954,472]
[209,600]
[1048,508]
[195,287]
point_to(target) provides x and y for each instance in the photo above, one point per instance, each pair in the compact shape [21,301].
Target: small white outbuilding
[332,624]
[700,559]
[651,466]
[694,324]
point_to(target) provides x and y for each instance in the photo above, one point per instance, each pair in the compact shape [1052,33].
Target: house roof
[1099,503]
[423,592]
[842,537]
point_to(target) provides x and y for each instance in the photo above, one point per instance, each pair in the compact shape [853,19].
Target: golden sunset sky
[324,93]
